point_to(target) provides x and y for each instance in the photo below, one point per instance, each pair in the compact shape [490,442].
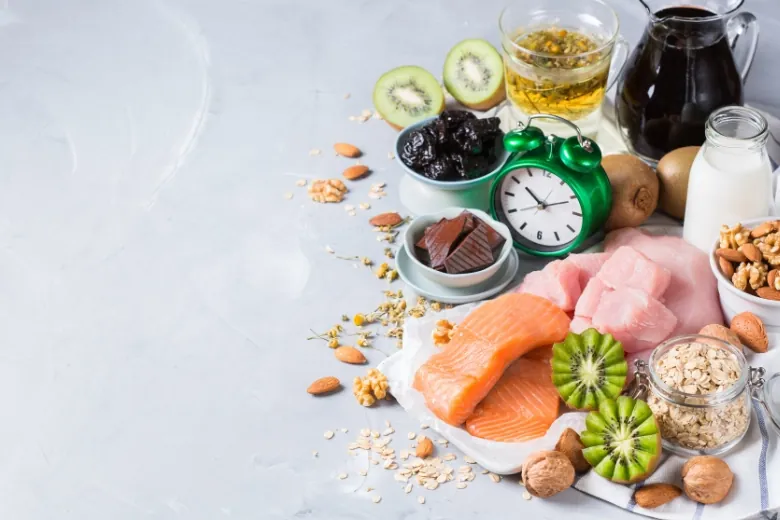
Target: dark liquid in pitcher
[680,72]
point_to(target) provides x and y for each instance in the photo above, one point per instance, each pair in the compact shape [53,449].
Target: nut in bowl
[454,151]
[457,247]
[746,263]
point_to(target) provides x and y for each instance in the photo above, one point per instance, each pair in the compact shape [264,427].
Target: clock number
[538,235]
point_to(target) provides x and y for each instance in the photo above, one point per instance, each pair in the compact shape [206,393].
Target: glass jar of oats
[699,389]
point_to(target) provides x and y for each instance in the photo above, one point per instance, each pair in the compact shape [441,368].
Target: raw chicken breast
[692,295]
[591,296]
[588,264]
[578,324]
[558,282]
[629,268]
[635,318]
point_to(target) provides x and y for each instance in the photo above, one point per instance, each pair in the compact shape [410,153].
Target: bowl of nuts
[746,263]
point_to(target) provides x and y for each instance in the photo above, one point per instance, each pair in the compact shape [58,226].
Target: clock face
[540,208]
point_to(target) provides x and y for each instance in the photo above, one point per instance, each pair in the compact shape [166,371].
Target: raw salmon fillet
[521,407]
[485,343]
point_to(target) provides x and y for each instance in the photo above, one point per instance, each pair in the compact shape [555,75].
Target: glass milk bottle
[731,178]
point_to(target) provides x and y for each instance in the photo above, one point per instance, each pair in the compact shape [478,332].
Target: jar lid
[771,400]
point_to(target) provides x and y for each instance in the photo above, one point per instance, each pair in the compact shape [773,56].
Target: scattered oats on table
[362,473]
[390,155]
[421,499]
[300,182]
[329,434]
[315,151]
[314,453]
[376,499]
[388,431]
[411,435]
[364,205]
[342,476]
[526,495]
[288,195]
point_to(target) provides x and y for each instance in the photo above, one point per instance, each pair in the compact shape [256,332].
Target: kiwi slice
[406,95]
[622,440]
[474,74]
[588,369]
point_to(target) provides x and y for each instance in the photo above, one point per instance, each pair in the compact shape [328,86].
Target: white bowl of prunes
[453,151]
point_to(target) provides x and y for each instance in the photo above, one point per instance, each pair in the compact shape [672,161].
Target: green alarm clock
[552,193]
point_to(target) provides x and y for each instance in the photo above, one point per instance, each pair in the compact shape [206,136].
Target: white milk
[730,181]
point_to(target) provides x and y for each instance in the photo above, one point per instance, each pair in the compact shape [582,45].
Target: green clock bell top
[552,193]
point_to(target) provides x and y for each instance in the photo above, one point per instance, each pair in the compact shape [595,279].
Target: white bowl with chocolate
[746,264]
[458,247]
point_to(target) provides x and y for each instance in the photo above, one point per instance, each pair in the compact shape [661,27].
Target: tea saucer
[410,274]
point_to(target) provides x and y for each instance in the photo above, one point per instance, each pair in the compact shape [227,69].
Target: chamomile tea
[559,71]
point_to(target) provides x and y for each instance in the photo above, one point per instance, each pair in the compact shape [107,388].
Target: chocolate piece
[494,238]
[472,254]
[441,240]
[421,242]
[471,221]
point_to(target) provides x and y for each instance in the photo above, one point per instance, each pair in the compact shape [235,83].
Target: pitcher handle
[615,70]
[743,26]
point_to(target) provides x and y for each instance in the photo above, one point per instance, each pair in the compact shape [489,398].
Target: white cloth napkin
[755,462]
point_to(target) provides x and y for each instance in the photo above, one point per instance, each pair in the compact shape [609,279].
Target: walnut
[732,238]
[327,190]
[750,273]
[370,388]
[547,473]
[706,479]
[443,332]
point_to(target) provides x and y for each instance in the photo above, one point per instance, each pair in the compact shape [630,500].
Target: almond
[324,385]
[768,293]
[355,172]
[347,150]
[751,252]
[771,278]
[350,355]
[762,229]
[654,495]
[732,255]
[386,219]
[570,445]
[726,267]
[751,331]
[424,447]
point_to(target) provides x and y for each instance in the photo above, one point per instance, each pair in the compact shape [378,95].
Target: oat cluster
[702,369]
[443,332]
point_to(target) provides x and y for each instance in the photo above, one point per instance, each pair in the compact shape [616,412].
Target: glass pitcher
[692,59]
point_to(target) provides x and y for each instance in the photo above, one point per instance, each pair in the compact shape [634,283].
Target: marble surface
[159,288]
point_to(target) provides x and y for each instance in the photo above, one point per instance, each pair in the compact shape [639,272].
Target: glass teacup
[558,59]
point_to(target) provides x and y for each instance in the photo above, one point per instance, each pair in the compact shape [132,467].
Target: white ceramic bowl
[417,228]
[733,301]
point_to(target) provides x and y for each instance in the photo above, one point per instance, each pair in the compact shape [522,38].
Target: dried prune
[469,142]
[453,118]
[484,128]
[441,169]
[439,131]
[418,150]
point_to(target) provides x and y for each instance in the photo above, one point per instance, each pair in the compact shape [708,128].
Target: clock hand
[556,203]
[538,201]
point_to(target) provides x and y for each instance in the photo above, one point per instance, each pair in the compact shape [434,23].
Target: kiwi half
[622,440]
[406,95]
[588,369]
[474,74]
